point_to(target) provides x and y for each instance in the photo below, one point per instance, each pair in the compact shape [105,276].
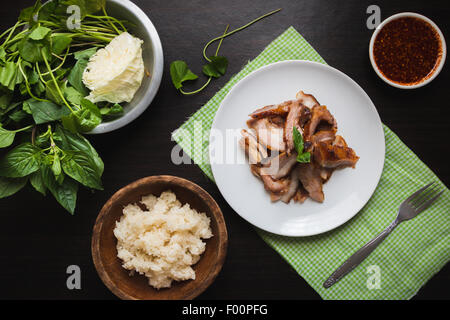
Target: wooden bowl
[104,252]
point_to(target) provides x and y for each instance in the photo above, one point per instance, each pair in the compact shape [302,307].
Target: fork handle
[359,256]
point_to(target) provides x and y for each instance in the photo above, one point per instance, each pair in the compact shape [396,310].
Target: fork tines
[424,197]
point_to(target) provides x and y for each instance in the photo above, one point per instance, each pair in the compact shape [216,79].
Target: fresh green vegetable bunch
[43,108]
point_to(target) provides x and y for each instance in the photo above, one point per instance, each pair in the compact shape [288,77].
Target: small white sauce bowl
[436,70]
[153,60]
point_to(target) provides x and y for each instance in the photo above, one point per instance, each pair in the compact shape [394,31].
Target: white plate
[358,122]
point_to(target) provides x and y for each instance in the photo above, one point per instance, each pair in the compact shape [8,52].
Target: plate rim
[379,124]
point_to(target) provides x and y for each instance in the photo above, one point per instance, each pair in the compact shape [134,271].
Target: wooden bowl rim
[205,196]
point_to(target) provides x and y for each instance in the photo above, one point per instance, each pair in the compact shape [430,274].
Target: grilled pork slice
[268,133]
[301,195]
[280,166]
[255,152]
[281,109]
[323,136]
[270,184]
[330,155]
[307,100]
[321,119]
[311,180]
[292,120]
[293,186]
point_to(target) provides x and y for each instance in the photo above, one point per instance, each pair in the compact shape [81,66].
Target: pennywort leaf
[39,33]
[217,67]
[180,73]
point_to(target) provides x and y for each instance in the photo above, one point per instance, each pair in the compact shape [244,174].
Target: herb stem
[27,84]
[102,18]
[60,65]
[221,40]
[24,129]
[210,78]
[198,90]
[11,32]
[234,31]
[110,22]
[55,82]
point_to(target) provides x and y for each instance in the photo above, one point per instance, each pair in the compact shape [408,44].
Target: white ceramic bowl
[426,80]
[153,61]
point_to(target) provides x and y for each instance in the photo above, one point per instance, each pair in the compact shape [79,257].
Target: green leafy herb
[38,183]
[113,111]
[75,77]
[180,73]
[65,191]
[46,111]
[6,137]
[42,63]
[216,66]
[79,167]
[302,157]
[9,186]
[20,161]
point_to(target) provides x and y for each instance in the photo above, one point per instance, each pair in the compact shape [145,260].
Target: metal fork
[418,202]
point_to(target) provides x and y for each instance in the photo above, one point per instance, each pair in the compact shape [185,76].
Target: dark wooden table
[39,240]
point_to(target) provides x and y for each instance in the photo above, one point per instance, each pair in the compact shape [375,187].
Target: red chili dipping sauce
[407,50]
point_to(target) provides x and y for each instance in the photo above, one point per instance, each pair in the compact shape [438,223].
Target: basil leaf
[298,141]
[217,67]
[304,157]
[76,142]
[45,111]
[65,192]
[18,116]
[38,183]
[6,137]
[70,123]
[20,161]
[113,111]
[75,77]
[56,166]
[85,119]
[9,186]
[179,72]
[79,167]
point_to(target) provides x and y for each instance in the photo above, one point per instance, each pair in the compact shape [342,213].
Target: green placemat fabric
[404,262]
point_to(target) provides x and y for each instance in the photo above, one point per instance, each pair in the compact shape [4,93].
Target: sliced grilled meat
[310,178]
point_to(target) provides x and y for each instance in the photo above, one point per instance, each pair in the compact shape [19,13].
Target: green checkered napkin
[404,262]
